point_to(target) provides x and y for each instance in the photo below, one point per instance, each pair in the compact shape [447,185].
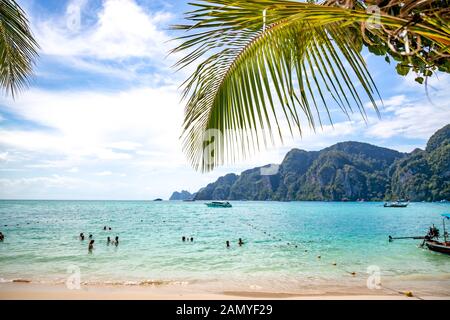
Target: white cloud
[414,121]
[73,170]
[104,173]
[4,156]
[125,145]
[15,186]
[99,126]
[122,30]
[415,116]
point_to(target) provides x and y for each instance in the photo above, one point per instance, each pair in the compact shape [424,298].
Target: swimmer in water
[228,244]
[108,241]
[90,237]
[82,236]
[2,236]
[104,228]
[240,242]
[116,242]
[183,238]
[192,239]
[91,245]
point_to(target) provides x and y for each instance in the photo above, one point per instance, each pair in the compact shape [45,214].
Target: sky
[102,116]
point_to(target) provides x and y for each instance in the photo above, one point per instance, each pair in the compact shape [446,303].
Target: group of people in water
[191,239]
[108,239]
[240,243]
[184,239]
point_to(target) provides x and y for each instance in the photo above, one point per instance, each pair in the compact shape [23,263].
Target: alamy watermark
[73,16]
[73,281]
[374,280]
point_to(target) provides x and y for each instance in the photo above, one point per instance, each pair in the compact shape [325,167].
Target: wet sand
[32,291]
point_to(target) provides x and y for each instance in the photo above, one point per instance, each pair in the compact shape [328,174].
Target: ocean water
[282,242]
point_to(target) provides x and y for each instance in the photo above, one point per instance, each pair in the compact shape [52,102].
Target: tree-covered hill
[345,171]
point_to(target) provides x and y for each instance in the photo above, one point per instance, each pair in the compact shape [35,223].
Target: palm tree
[18,48]
[264,62]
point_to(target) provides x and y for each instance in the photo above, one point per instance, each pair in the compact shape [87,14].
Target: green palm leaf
[18,48]
[265,62]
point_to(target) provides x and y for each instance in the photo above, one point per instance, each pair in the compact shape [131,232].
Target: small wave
[136,283]
[423,277]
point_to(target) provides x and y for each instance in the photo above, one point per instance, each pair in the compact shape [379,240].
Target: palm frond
[268,61]
[18,48]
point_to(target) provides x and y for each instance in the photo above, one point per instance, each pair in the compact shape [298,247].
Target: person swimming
[104,228]
[110,229]
[82,236]
[90,237]
[240,242]
[91,245]
[2,236]
[116,242]
[183,238]
[192,239]
[228,244]
[108,240]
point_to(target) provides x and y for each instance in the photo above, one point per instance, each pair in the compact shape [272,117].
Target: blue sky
[102,118]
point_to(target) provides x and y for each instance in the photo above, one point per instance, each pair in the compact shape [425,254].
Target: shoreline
[36,291]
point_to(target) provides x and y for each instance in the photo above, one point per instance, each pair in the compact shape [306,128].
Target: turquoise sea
[282,242]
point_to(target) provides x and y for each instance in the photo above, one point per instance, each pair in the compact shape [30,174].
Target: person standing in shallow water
[2,236]
[82,236]
[108,241]
[116,242]
[228,244]
[91,246]
[240,242]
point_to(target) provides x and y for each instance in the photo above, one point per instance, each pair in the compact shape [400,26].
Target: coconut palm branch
[263,64]
[18,48]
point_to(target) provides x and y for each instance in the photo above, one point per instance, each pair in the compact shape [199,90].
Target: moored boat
[396,204]
[431,240]
[442,247]
[219,204]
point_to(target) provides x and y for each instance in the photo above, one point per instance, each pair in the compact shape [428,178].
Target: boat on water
[219,204]
[431,240]
[442,247]
[396,204]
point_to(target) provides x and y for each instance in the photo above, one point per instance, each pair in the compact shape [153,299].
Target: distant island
[345,171]
[183,195]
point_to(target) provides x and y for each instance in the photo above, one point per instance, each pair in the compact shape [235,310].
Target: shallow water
[42,242]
